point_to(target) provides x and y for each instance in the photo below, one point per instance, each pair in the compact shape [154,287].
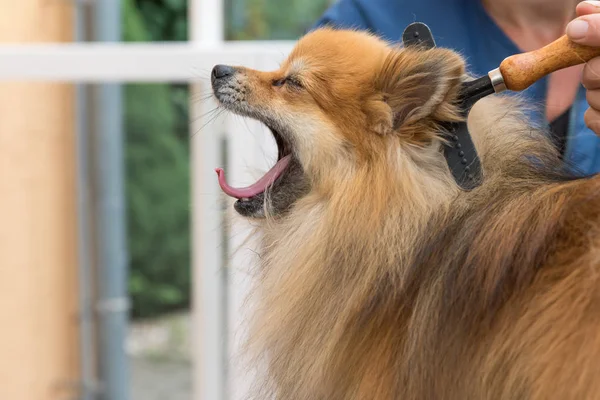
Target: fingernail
[593,3]
[577,29]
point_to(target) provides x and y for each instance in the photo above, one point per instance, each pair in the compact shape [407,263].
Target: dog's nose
[222,71]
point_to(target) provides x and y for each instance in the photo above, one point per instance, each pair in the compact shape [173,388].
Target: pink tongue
[260,186]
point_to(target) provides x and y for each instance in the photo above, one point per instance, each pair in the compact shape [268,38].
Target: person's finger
[588,7]
[593,98]
[591,74]
[585,30]
[592,120]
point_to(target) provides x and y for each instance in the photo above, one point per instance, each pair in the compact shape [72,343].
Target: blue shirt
[465,26]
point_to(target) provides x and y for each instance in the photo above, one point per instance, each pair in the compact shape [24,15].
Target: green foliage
[166,20]
[157,160]
[272,19]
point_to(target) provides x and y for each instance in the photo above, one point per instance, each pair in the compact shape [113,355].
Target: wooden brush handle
[522,70]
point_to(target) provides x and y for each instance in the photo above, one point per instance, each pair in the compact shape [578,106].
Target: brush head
[474,90]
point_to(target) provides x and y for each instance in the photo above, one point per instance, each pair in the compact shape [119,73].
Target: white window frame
[183,62]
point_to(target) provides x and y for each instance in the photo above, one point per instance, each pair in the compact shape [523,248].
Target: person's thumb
[585,30]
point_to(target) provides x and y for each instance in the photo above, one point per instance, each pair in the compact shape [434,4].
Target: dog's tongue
[259,187]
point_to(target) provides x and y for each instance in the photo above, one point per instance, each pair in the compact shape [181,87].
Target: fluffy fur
[383,280]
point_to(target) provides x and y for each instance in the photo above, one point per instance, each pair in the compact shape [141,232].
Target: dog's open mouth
[283,183]
[246,193]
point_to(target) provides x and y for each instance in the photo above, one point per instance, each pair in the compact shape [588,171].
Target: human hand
[585,30]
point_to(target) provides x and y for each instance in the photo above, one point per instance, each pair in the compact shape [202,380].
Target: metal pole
[86,317]
[110,217]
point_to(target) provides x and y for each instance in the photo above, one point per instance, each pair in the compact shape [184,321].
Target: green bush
[271,19]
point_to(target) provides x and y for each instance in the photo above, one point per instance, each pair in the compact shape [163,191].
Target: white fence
[217,307]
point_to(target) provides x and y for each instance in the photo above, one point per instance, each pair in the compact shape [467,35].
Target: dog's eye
[290,81]
[294,82]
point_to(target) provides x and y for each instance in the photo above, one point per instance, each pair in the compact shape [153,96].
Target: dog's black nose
[221,71]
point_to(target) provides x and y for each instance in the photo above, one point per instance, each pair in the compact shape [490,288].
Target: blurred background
[96,179]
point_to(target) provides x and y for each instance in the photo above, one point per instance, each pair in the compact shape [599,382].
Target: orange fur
[385,281]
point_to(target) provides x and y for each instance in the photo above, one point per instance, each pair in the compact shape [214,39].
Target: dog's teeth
[244,199]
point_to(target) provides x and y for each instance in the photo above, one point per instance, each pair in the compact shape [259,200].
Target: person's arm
[585,30]
[346,14]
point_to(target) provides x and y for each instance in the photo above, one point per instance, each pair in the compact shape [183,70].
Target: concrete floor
[160,363]
[160,380]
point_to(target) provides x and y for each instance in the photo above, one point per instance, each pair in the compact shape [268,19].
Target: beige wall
[38,292]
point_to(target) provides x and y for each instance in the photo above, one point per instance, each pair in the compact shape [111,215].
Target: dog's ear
[417,85]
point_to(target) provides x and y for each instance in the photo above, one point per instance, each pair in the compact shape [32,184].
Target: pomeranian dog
[380,278]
